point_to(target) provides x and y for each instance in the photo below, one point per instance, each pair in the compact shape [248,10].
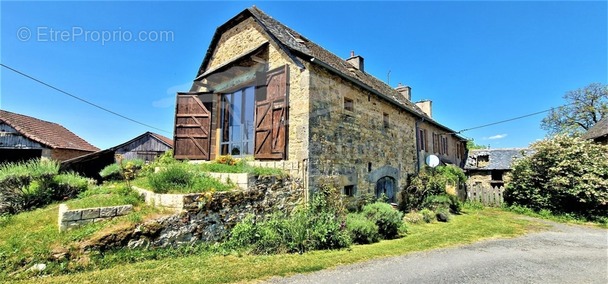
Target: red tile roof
[47,133]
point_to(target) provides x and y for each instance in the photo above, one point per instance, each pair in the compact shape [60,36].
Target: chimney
[405,91]
[426,107]
[356,61]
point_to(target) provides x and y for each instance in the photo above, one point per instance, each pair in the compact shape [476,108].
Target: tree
[471,145]
[584,108]
[565,174]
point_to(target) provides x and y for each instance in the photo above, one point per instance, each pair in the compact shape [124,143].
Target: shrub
[111,172]
[69,185]
[317,226]
[361,229]
[26,185]
[428,182]
[356,203]
[428,215]
[443,215]
[388,219]
[413,217]
[226,160]
[565,175]
[173,177]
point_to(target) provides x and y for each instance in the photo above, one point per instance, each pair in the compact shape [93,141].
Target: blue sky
[479,62]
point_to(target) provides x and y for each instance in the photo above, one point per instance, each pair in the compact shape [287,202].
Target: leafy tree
[586,106]
[564,175]
[471,145]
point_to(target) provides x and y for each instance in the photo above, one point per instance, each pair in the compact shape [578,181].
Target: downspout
[418,144]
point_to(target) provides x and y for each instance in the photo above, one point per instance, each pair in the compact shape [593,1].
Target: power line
[81,99]
[511,119]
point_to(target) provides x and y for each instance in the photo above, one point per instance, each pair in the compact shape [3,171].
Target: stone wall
[240,39]
[66,154]
[355,144]
[208,217]
[452,155]
[69,219]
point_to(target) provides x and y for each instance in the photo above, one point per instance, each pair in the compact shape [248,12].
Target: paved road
[562,254]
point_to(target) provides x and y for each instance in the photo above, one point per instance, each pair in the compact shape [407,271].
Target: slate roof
[499,159]
[298,47]
[598,130]
[47,133]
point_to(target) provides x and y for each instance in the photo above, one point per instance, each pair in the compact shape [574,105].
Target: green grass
[205,267]
[30,237]
[561,218]
[240,167]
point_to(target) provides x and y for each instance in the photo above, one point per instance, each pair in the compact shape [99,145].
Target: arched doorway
[386,186]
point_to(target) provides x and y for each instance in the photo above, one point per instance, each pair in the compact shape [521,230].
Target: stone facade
[356,144]
[69,219]
[208,216]
[341,121]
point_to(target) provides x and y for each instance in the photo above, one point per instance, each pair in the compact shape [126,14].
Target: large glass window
[237,122]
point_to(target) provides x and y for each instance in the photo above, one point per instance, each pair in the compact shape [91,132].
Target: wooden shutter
[271,107]
[192,126]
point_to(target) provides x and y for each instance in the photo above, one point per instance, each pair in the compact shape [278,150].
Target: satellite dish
[432,161]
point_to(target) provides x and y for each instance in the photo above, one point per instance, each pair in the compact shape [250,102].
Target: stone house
[266,91]
[24,137]
[599,132]
[491,167]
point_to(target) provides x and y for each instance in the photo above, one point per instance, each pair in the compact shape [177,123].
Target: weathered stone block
[72,215]
[123,210]
[90,213]
[106,212]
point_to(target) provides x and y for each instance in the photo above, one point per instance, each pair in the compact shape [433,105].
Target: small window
[349,105]
[349,190]
[369,167]
[422,139]
[386,122]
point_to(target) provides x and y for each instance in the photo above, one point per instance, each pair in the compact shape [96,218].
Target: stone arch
[383,177]
[386,186]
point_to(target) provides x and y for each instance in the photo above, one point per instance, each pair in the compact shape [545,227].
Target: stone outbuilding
[24,137]
[265,91]
[491,167]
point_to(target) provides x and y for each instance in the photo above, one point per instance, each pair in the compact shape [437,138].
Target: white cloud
[495,137]
[171,91]
[164,103]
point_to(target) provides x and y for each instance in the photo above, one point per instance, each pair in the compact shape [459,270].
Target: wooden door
[192,128]
[271,113]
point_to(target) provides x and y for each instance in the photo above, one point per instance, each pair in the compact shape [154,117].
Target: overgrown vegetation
[565,175]
[32,237]
[428,190]
[320,225]
[191,263]
[35,183]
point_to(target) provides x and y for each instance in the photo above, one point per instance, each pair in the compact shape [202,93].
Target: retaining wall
[69,219]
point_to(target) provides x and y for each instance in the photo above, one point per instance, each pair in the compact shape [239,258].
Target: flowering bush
[565,175]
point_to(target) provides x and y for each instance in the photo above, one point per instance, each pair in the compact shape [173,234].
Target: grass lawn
[473,225]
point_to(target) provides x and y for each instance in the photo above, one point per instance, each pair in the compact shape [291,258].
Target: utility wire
[511,119]
[81,99]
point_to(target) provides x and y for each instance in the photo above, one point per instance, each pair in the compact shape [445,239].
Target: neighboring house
[491,167]
[264,90]
[599,132]
[146,147]
[24,137]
